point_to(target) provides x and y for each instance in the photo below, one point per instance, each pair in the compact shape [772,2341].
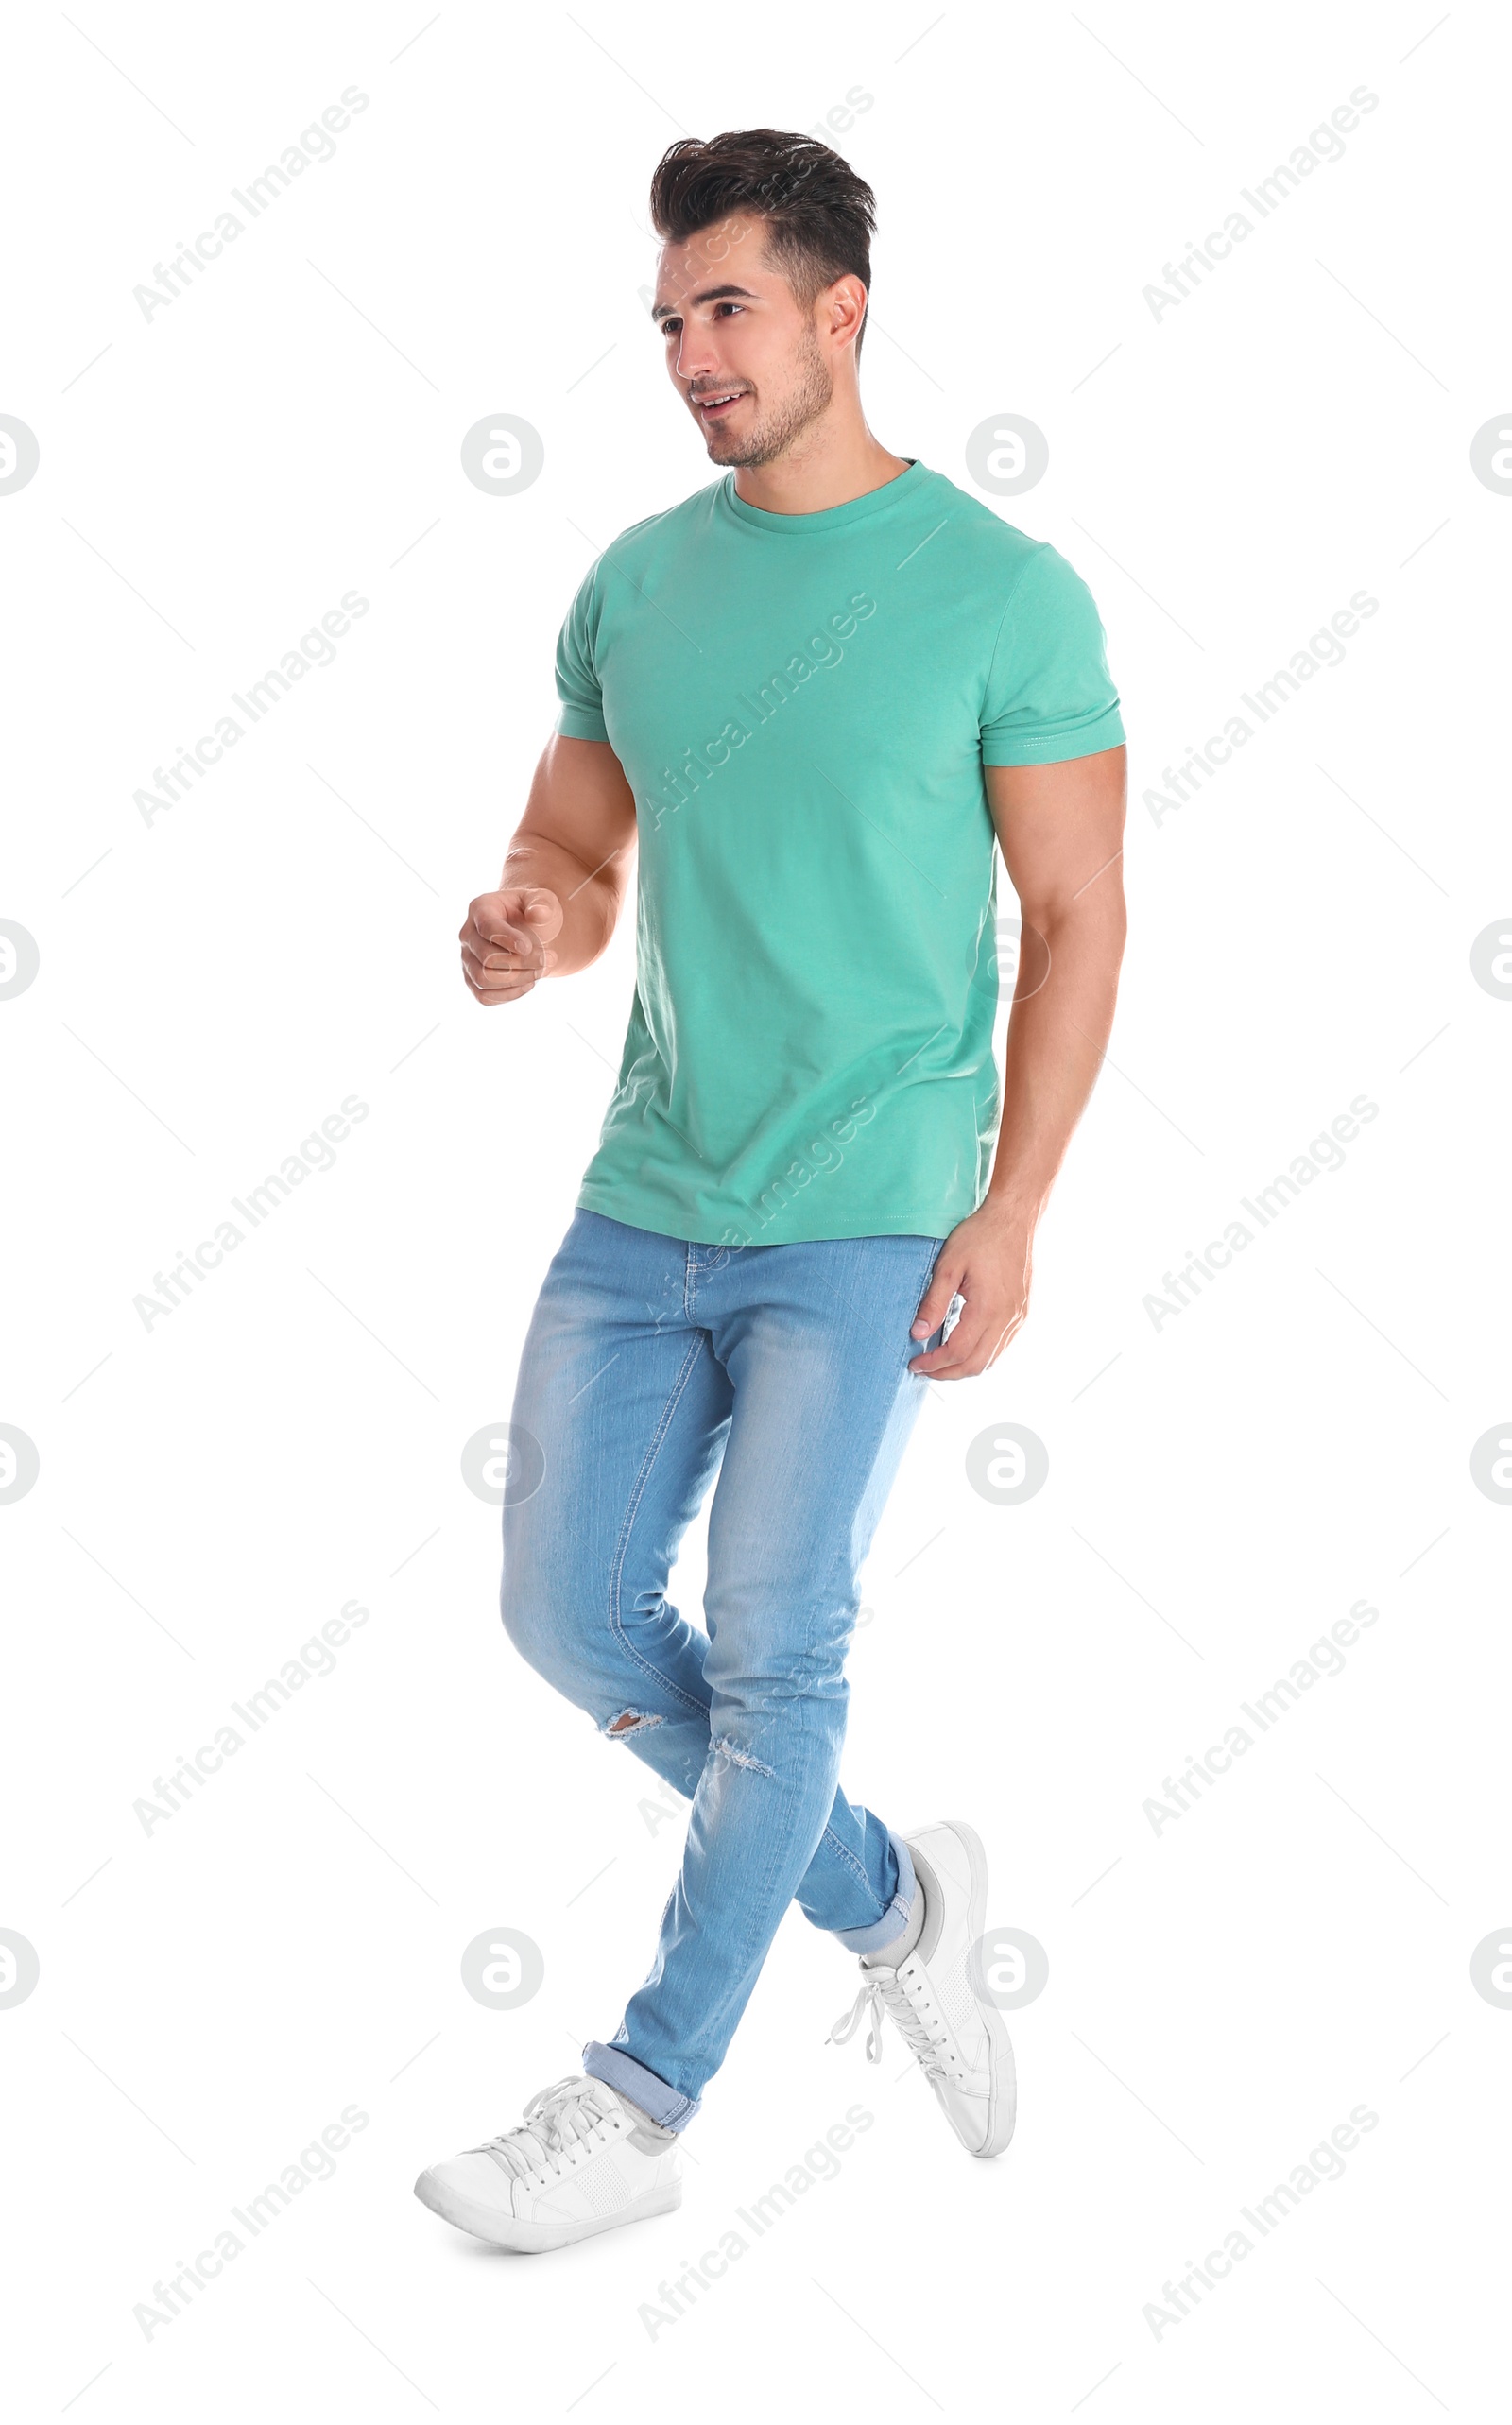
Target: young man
[812,695]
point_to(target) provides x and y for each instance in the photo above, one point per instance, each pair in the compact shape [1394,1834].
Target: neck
[827,465]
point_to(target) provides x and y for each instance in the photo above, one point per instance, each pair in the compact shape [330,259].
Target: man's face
[742,352]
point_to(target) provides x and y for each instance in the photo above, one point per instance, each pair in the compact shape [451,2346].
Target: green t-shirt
[802,705]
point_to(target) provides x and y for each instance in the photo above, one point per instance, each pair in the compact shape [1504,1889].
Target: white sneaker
[961,2041]
[583,2161]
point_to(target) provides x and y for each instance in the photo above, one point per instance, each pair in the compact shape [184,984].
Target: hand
[986,1260]
[505,941]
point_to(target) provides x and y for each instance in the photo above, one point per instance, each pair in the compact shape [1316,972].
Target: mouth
[719,402]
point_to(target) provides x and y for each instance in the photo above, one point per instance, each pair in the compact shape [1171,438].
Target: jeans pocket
[925,1279]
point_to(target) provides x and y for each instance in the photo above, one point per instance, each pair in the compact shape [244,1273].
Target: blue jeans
[649,1365]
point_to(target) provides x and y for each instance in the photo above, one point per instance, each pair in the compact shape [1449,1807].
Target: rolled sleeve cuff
[1102,731]
[581,724]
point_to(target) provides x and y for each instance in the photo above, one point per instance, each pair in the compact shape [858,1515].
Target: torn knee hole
[630,1721]
[741,1759]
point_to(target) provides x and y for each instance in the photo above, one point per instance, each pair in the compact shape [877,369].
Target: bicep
[581,802]
[1059,826]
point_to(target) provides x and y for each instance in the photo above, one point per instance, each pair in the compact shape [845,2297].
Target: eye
[728,307]
[670,327]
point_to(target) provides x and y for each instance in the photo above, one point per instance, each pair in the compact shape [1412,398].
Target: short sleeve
[1049,693]
[580,716]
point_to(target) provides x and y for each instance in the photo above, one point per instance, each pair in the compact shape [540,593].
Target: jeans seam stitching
[637,1493]
[848,1857]
[935,1249]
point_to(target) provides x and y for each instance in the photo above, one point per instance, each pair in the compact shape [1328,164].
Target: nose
[697,357]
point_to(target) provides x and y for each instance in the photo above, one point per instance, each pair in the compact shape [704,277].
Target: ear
[845,309]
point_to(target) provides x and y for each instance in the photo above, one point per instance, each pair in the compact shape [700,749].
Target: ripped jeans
[650,1365]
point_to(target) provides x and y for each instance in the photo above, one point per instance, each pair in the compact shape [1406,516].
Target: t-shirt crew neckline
[801,526]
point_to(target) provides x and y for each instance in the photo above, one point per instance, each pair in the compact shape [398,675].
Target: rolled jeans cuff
[621,2071]
[879,1933]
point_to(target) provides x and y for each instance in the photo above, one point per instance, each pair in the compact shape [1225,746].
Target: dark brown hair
[820,215]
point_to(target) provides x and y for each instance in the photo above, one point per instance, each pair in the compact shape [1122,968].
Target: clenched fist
[505,941]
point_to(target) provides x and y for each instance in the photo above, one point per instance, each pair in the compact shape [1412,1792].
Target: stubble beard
[775,431]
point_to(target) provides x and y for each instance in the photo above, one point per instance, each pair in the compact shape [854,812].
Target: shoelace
[883,1994]
[555,2120]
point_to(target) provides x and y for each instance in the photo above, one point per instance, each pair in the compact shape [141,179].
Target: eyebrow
[705,294]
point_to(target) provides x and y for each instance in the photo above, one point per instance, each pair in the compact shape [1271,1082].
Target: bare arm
[564,875]
[1062,832]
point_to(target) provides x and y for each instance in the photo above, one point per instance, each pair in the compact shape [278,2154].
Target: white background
[1221,1489]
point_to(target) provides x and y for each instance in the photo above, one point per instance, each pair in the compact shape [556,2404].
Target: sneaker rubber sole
[1003,2098]
[533,2238]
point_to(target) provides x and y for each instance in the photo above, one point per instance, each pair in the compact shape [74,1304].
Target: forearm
[1061,826]
[589,897]
[1058,1032]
